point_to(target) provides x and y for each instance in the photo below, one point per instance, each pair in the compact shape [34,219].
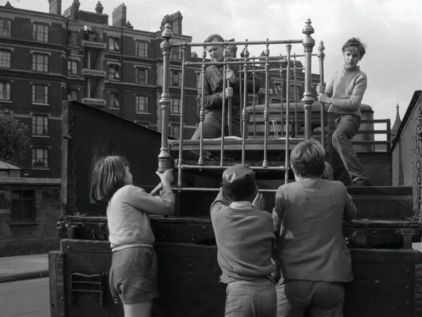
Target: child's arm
[353,102]
[161,205]
[219,202]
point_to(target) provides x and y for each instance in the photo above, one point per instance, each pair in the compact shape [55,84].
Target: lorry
[387,269]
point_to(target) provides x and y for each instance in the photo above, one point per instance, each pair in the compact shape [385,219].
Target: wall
[407,150]
[38,235]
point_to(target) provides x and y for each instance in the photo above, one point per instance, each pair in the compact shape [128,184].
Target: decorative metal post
[308,44]
[288,88]
[164,158]
[266,106]
[321,89]
[245,55]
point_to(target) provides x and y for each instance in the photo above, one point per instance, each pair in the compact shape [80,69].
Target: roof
[7,166]
[413,102]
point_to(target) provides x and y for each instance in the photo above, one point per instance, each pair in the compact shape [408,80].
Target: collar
[241,205]
[351,69]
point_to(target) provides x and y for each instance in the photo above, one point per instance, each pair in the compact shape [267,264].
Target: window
[175,106]
[5,59]
[73,38]
[141,104]
[40,32]
[295,92]
[174,131]
[113,100]
[114,71]
[40,125]
[72,67]
[39,158]
[175,77]
[142,76]
[40,62]
[40,94]
[73,95]
[23,206]
[5,27]
[141,48]
[113,44]
[176,53]
[4,91]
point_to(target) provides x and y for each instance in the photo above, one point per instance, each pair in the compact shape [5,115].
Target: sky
[391,31]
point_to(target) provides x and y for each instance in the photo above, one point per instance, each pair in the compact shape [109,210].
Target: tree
[14,138]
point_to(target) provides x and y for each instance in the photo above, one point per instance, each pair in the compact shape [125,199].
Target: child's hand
[230,76]
[166,177]
[228,93]
[324,98]
[259,201]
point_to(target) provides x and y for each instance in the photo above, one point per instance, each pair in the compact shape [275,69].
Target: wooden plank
[57,285]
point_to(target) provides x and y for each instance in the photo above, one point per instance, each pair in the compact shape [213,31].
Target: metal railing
[265,65]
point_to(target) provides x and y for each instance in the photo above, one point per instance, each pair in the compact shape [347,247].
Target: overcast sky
[391,30]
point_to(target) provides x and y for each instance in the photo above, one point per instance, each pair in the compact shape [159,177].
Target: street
[26,298]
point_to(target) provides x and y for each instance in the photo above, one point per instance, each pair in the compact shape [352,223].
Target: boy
[344,95]
[312,254]
[213,91]
[244,237]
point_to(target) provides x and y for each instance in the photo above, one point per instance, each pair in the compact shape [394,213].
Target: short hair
[107,177]
[213,37]
[238,182]
[308,159]
[355,42]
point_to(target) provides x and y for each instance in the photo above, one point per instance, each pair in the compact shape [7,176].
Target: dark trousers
[342,157]
[212,125]
[298,298]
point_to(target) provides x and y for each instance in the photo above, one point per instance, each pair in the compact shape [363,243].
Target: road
[27,298]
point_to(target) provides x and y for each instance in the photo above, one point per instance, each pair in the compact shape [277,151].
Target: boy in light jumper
[344,95]
[244,237]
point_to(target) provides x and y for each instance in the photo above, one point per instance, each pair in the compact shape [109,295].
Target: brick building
[29,211]
[46,58]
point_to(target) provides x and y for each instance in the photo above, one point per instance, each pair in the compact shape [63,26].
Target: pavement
[23,267]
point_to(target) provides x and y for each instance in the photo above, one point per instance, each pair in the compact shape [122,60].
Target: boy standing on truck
[344,95]
[312,255]
[245,239]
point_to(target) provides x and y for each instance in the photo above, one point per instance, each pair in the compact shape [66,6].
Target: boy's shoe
[360,182]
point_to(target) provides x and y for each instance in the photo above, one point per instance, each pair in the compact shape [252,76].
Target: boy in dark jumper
[244,237]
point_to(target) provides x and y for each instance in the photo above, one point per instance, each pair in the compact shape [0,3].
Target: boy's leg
[283,306]
[299,295]
[250,299]
[328,299]
[340,173]
[212,126]
[138,310]
[347,127]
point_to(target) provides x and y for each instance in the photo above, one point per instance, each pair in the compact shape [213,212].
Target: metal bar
[321,89]
[244,43]
[245,99]
[181,122]
[254,101]
[237,62]
[223,116]
[281,97]
[214,167]
[202,110]
[308,44]
[266,115]
[164,158]
[295,83]
[286,148]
